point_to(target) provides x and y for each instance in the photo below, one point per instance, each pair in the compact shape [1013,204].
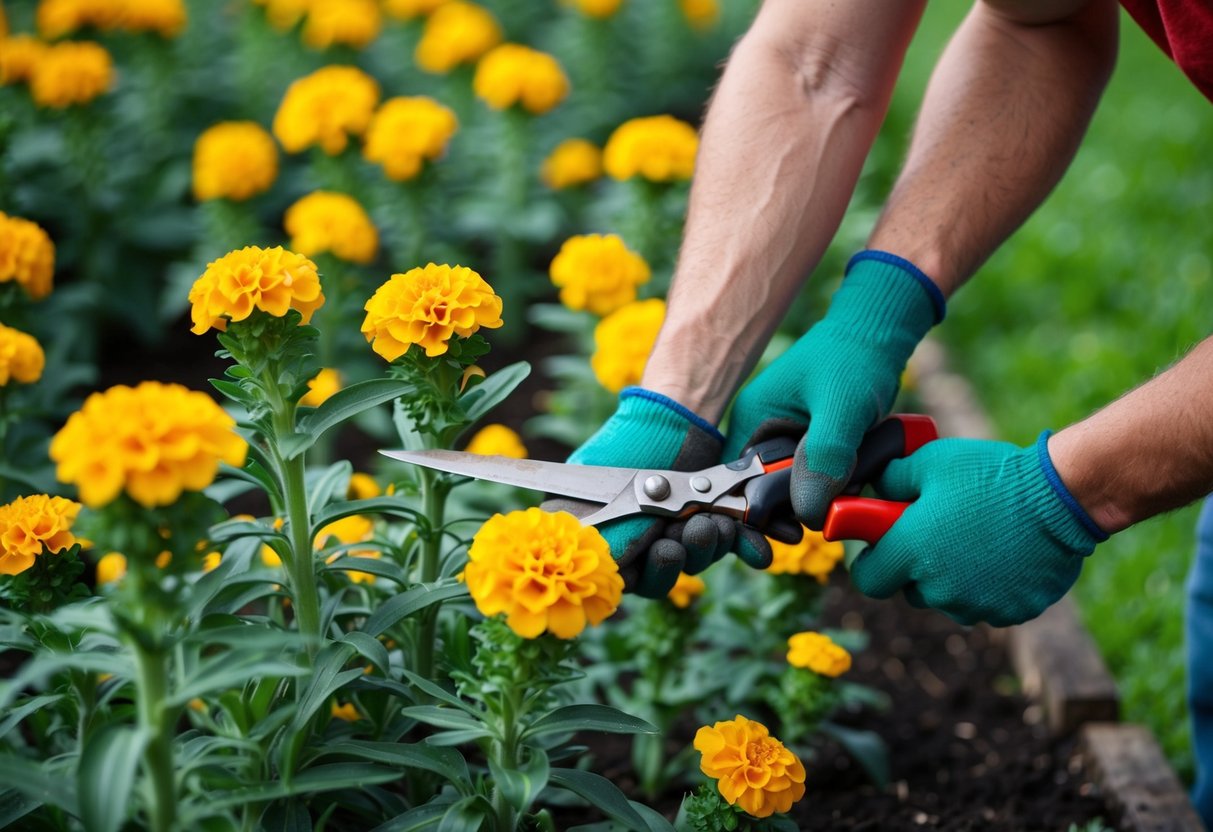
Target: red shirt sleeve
[1184,30]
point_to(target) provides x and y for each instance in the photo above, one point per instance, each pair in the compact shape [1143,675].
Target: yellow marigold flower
[19,55]
[111,568]
[497,440]
[456,33]
[544,571]
[325,109]
[659,148]
[514,74]
[623,341]
[211,561]
[31,526]
[701,14]
[155,441]
[573,162]
[342,23]
[71,73]
[426,306]
[595,8]
[56,18]
[686,590]
[597,272]
[321,388]
[269,557]
[27,256]
[234,160]
[408,9]
[813,555]
[324,221]
[21,357]
[354,575]
[818,653]
[362,487]
[346,712]
[270,279]
[347,530]
[164,17]
[284,14]
[404,132]
[752,769]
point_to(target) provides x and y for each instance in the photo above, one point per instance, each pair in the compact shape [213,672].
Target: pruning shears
[753,489]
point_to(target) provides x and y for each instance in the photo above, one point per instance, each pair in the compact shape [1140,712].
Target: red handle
[861,518]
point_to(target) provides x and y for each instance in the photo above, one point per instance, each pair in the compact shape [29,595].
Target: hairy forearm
[1149,451]
[783,143]
[1005,110]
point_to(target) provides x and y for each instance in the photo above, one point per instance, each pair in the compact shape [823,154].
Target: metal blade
[595,483]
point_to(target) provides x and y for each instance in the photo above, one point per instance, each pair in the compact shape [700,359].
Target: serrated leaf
[571,718]
[345,404]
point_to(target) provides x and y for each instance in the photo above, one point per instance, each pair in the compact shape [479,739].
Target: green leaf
[417,818]
[345,404]
[405,604]
[20,712]
[232,390]
[228,671]
[106,776]
[235,529]
[657,822]
[459,737]
[38,783]
[493,390]
[372,566]
[866,747]
[466,815]
[324,778]
[14,806]
[321,487]
[522,785]
[600,793]
[369,647]
[445,762]
[442,717]
[604,718]
[436,691]
[392,506]
[256,473]
[326,679]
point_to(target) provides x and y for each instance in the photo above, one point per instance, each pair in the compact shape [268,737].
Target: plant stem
[433,495]
[150,680]
[507,757]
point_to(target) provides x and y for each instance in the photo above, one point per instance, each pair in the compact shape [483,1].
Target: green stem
[433,495]
[507,757]
[150,678]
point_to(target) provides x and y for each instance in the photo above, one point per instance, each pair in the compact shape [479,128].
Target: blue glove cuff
[668,403]
[928,285]
[1059,487]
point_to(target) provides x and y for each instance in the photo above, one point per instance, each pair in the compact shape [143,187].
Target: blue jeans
[1200,661]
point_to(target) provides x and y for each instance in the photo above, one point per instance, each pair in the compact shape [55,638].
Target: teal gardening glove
[649,430]
[842,376]
[992,534]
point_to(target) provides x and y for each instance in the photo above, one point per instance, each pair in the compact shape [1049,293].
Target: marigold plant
[407,131]
[409,9]
[685,590]
[71,73]
[321,388]
[497,440]
[324,221]
[573,162]
[623,341]
[658,148]
[813,555]
[544,571]
[272,280]
[818,653]
[426,306]
[597,272]
[21,357]
[19,55]
[353,23]
[325,108]
[166,18]
[752,769]
[595,8]
[33,526]
[514,74]
[152,441]
[456,33]
[27,256]
[234,160]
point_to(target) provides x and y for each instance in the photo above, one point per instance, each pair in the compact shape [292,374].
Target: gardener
[996,533]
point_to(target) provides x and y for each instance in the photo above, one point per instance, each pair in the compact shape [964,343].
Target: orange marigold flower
[514,74]
[167,18]
[595,8]
[3,22]
[701,14]
[348,530]
[19,55]
[234,160]
[21,357]
[32,526]
[56,18]
[818,653]
[325,109]
[321,388]
[270,279]
[111,568]
[497,440]
[544,571]
[752,769]
[408,9]
[342,23]
[623,341]
[325,221]
[597,272]
[347,712]
[284,14]
[456,33]
[659,148]
[362,487]
[27,256]
[813,555]
[211,561]
[686,590]
[71,73]
[426,306]
[405,132]
[153,441]
[573,162]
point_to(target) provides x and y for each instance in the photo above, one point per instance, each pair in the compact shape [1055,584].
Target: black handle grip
[769,501]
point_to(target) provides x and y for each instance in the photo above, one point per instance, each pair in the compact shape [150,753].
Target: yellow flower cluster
[456,33]
[544,571]
[325,108]
[595,8]
[325,221]
[426,306]
[321,388]
[659,148]
[19,55]
[813,555]
[752,769]
[701,14]
[234,160]
[21,357]
[30,526]
[353,23]
[514,74]
[61,17]
[404,132]
[408,9]
[27,256]
[497,440]
[71,73]
[573,162]
[818,653]
[154,440]
[346,531]
[597,272]
[623,341]
[685,590]
[273,280]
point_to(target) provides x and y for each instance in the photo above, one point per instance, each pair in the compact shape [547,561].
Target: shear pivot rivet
[657,487]
[701,484]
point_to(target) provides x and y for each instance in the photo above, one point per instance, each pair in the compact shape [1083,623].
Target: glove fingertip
[753,548]
[665,561]
[873,578]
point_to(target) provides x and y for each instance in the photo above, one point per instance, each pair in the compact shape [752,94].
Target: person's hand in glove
[650,430]
[841,377]
[991,534]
